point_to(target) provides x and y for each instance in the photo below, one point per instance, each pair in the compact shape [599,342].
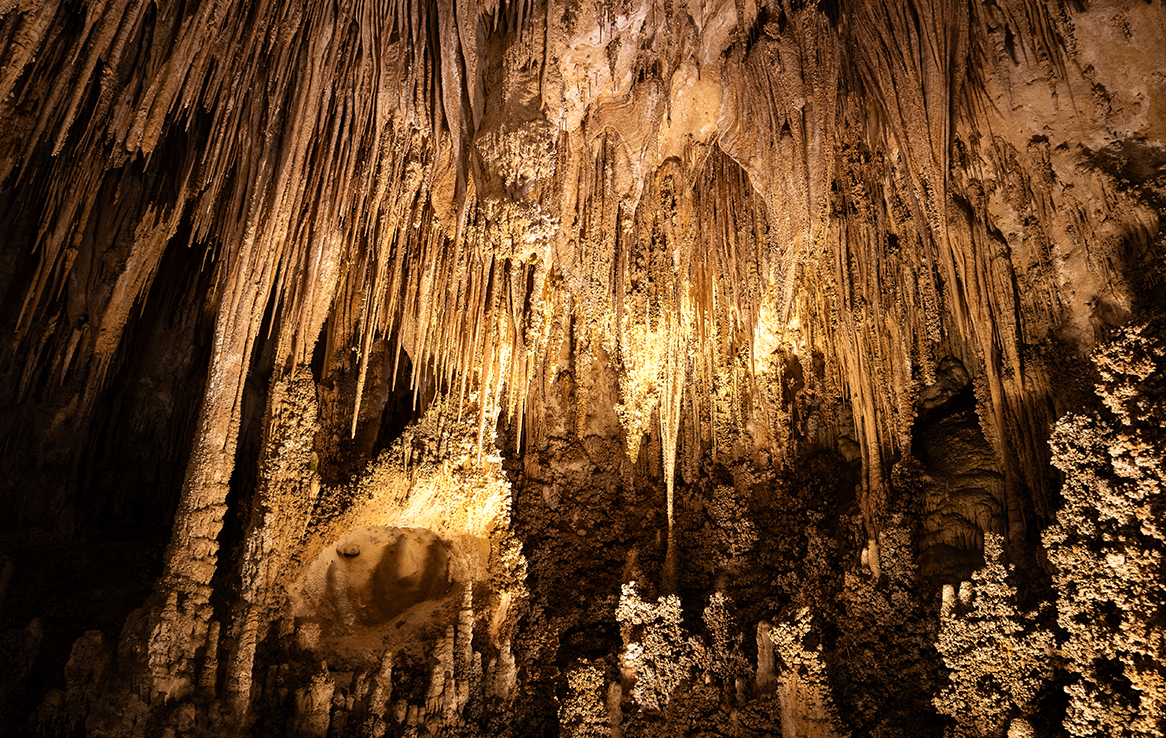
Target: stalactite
[399,151]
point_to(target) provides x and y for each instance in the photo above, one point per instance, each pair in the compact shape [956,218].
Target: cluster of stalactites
[812,254]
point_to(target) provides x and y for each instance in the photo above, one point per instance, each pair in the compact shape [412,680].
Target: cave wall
[635,368]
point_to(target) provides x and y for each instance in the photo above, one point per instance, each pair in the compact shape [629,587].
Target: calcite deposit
[628,368]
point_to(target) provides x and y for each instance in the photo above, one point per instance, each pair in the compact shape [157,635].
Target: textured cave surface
[628,368]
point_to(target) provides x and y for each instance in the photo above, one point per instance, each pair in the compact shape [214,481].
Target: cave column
[180,627]
[288,486]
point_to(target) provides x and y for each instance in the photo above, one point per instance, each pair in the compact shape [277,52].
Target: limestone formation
[630,368]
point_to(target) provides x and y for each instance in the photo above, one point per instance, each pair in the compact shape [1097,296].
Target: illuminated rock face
[372,577]
[641,368]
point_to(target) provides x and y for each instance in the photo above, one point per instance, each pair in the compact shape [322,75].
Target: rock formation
[633,368]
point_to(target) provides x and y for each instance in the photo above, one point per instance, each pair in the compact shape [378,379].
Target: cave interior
[630,368]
